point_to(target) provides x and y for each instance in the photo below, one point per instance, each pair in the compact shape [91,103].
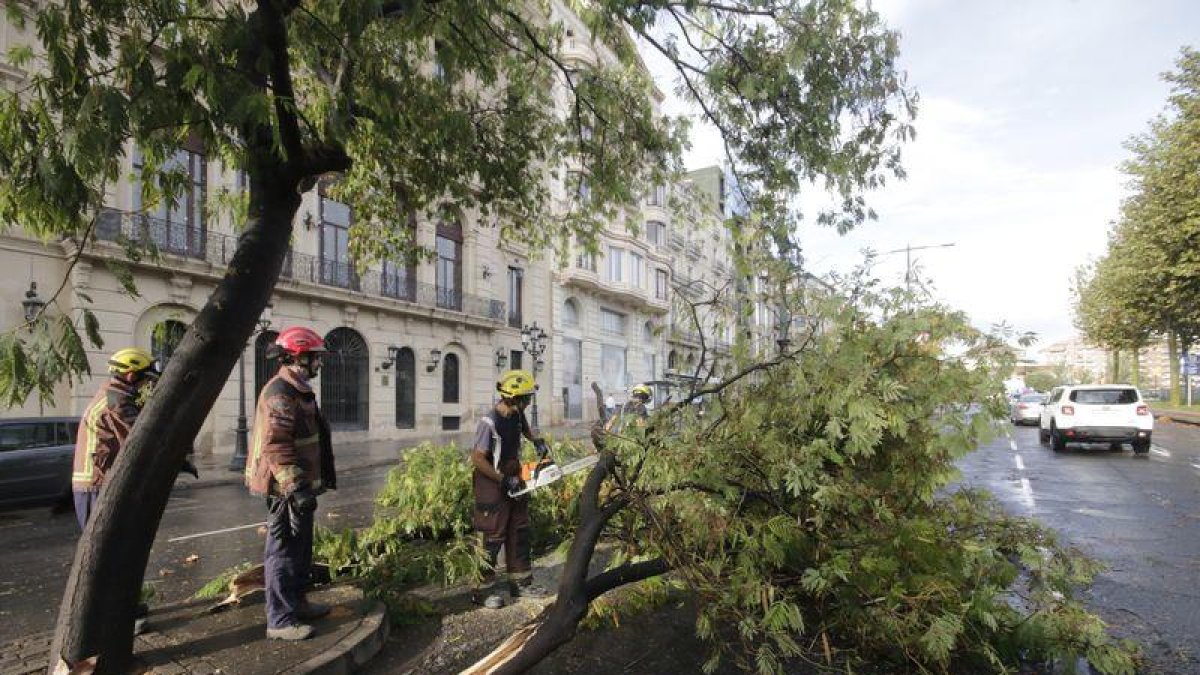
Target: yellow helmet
[129,360]
[516,383]
[642,390]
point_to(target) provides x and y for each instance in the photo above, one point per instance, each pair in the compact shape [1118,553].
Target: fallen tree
[810,513]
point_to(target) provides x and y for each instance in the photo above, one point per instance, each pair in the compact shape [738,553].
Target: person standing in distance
[291,463]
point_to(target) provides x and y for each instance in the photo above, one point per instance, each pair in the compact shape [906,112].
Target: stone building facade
[415,349]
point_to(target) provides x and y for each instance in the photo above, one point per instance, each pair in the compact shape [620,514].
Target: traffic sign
[1190,364]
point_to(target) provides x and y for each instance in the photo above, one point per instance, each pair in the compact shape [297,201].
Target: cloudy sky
[1024,109]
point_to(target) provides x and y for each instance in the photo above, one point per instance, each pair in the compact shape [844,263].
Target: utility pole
[907,251]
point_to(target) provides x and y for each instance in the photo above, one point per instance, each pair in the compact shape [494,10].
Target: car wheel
[1057,442]
[1141,447]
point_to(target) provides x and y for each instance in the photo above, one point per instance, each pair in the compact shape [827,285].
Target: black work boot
[527,589]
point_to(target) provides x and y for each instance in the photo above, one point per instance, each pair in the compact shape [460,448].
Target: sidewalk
[187,639]
[214,469]
[1179,416]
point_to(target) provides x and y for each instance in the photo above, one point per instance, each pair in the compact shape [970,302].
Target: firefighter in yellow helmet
[635,410]
[106,423]
[503,521]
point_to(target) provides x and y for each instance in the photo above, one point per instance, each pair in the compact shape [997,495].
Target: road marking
[1159,451]
[1027,493]
[208,534]
[1196,465]
[1019,462]
[1012,444]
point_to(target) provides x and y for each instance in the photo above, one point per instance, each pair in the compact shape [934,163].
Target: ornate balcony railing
[217,248]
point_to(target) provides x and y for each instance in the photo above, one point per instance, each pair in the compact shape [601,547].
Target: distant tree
[1042,380]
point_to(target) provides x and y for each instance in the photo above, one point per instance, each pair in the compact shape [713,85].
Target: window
[26,435]
[177,223]
[612,322]
[573,378]
[345,380]
[399,280]
[648,333]
[656,233]
[406,389]
[264,368]
[1104,396]
[570,314]
[651,365]
[612,368]
[515,359]
[586,261]
[658,196]
[165,339]
[449,265]
[661,284]
[516,278]
[636,269]
[450,378]
[335,244]
[578,183]
[614,263]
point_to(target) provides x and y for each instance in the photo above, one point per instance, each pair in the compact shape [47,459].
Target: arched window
[570,315]
[264,368]
[450,379]
[406,389]
[648,333]
[672,360]
[345,380]
[165,339]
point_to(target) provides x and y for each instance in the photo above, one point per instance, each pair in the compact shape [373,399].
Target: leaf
[91,326]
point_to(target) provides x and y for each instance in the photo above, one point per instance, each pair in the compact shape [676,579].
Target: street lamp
[32,303]
[533,339]
[238,461]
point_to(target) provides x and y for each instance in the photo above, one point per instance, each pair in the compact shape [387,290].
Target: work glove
[303,498]
[512,484]
[542,447]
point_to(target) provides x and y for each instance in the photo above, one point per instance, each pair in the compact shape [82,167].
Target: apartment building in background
[414,349]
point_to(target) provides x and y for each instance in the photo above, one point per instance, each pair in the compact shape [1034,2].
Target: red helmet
[298,340]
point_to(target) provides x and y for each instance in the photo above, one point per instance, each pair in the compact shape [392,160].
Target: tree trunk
[96,616]
[1173,365]
[1114,366]
[1135,367]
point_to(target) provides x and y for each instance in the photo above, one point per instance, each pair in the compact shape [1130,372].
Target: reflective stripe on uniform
[288,474]
[90,419]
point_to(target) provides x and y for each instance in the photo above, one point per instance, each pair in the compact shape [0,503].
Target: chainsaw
[545,470]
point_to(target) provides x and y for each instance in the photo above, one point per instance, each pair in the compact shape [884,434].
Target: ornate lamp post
[238,461]
[533,339]
[33,303]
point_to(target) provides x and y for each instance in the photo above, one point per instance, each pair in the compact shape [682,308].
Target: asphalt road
[218,524]
[1140,515]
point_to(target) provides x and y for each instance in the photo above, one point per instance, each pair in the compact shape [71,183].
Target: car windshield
[1104,396]
[1033,398]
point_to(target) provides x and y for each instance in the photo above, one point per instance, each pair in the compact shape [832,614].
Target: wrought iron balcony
[218,249]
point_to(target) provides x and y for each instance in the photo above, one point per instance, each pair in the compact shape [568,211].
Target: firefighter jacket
[106,423]
[291,440]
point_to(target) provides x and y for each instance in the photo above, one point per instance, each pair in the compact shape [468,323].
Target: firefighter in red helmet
[291,463]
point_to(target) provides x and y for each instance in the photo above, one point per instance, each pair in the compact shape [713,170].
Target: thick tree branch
[274,34]
[625,574]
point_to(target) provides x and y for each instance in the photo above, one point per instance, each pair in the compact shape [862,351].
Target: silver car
[1027,409]
[36,454]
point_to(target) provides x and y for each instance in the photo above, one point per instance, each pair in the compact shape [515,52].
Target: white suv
[1096,413]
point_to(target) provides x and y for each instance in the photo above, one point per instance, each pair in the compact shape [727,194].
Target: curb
[236,478]
[1178,418]
[353,651]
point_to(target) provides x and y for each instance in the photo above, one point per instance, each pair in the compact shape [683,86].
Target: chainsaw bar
[555,473]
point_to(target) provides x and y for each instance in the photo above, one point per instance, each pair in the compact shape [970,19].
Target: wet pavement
[1140,515]
[219,525]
